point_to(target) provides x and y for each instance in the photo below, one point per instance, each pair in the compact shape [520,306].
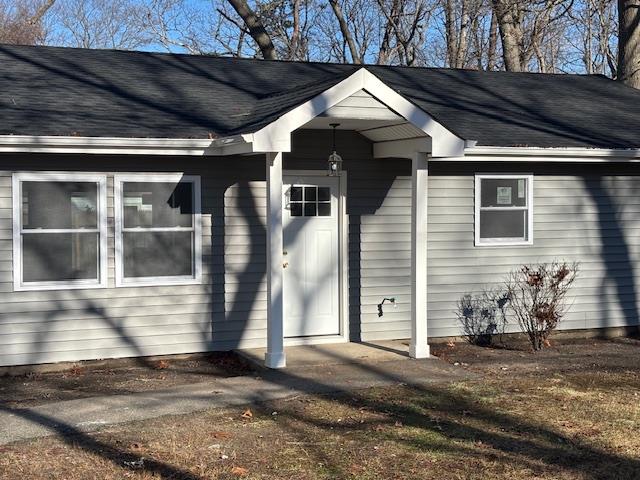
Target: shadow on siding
[613,230]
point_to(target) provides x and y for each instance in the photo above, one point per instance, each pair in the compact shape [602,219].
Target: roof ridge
[212,56]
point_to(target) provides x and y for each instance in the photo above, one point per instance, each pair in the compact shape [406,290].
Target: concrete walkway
[90,414]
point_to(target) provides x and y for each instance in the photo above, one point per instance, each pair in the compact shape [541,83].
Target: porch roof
[49,91]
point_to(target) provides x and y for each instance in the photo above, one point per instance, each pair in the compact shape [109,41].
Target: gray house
[161,204]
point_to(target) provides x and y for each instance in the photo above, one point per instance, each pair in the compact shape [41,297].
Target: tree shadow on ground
[456,421]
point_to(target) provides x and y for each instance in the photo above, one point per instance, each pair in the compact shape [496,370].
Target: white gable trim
[276,136]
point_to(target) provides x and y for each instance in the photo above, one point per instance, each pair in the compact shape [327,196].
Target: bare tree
[527,31]
[457,24]
[97,24]
[345,31]
[256,28]
[629,42]
[515,35]
[493,42]
[21,21]
[406,20]
[594,25]
[291,25]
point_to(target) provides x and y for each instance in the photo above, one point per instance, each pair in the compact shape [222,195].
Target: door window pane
[309,201]
[296,194]
[59,205]
[158,254]
[324,194]
[310,194]
[310,209]
[324,209]
[296,209]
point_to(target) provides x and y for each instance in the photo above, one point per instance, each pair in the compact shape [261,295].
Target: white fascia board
[276,137]
[129,146]
[535,154]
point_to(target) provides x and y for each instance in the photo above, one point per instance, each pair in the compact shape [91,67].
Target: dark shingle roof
[62,91]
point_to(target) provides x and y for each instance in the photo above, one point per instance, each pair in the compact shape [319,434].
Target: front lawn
[568,423]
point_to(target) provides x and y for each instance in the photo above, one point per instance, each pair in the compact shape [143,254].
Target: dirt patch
[89,381]
[563,356]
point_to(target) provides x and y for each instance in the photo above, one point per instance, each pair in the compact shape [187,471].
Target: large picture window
[59,227]
[158,229]
[503,210]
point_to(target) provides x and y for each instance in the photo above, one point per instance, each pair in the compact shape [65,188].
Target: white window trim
[118,180]
[101,180]
[503,242]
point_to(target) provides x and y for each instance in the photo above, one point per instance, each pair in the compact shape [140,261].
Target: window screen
[503,209]
[60,232]
[158,230]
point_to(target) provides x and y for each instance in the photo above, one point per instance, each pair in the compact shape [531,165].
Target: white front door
[311,256]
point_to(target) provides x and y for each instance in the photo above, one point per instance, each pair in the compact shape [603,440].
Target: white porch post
[419,347]
[275,357]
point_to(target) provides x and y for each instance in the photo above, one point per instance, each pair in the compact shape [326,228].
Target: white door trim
[343,262]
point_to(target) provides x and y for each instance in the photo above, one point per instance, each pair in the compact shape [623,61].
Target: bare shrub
[483,316]
[537,298]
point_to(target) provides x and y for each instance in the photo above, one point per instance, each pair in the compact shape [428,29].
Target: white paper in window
[521,183]
[503,195]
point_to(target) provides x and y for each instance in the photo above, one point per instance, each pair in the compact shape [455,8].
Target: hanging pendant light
[335,160]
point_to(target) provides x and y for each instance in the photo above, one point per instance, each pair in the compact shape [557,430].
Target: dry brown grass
[577,425]
[573,413]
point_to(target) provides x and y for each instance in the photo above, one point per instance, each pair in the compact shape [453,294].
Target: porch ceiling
[374,130]
[364,113]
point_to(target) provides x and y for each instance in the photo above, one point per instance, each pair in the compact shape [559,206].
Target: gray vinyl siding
[228,310]
[585,213]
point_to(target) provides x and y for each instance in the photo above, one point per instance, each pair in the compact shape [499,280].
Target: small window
[309,201]
[504,210]
[158,229]
[60,238]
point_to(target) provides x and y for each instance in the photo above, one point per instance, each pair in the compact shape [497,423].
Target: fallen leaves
[75,371]
[239,471]
[161,365]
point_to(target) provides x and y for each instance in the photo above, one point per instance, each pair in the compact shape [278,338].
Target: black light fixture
[335,160]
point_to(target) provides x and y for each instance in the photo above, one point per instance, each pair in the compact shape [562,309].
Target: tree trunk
[294,45]
[256,29]
[346,33]
[629,42]
[508,26]
[450,28]
[493,43]
[44,8]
